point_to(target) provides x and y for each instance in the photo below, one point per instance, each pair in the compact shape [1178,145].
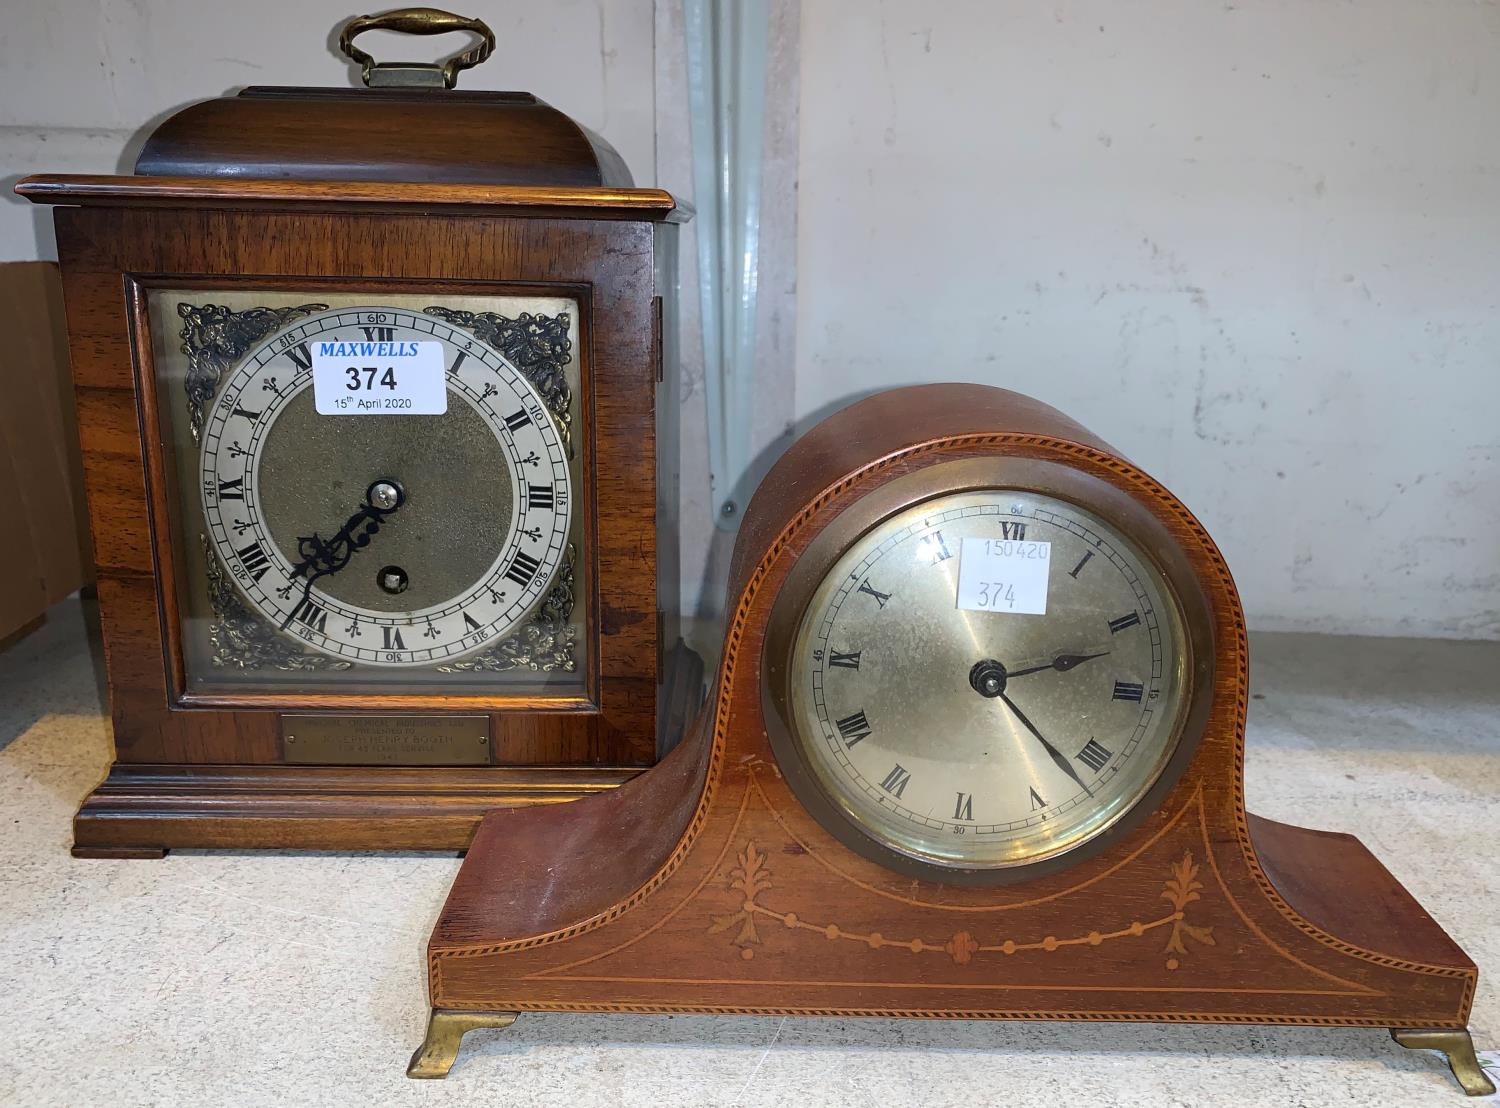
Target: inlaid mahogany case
[721,893]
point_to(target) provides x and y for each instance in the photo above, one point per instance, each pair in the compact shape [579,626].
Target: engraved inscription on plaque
[405,740]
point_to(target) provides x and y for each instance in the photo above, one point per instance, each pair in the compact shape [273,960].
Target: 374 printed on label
[1004,575]
[379,378]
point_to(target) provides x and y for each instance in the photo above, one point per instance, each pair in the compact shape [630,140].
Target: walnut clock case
[380,459]
[975,750]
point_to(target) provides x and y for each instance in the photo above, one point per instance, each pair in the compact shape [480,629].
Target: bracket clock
[380,459]
[975,750]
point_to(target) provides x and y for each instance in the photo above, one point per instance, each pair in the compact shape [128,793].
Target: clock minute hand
[1062,663]
[1052,751]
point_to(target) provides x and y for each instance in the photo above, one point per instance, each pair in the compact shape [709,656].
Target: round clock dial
[385,539]
[988,679]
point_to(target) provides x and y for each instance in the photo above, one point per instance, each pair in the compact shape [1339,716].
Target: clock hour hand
[321,558]
[1052,751]
[1062,663]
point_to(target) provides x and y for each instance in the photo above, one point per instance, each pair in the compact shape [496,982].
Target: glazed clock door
[374,492]
[988,679]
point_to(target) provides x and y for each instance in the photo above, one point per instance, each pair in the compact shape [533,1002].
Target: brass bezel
[1068,481]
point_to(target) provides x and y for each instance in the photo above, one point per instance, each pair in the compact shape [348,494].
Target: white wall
[83,81]
[1256,246]
[706,549]
[79,79]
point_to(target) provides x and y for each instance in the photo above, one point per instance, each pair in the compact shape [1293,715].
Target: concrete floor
[215,978]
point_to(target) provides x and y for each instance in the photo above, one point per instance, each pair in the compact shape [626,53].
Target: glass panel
[374,492]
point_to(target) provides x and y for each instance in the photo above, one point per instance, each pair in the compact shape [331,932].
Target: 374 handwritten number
[996,594]
[387,379]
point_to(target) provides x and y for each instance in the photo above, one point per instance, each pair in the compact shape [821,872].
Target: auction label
[1003,575]
[378,378]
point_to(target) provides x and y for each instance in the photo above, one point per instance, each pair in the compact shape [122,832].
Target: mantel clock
[380,458]
[975,750]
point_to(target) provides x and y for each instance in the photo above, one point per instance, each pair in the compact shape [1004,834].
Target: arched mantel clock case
[975,750]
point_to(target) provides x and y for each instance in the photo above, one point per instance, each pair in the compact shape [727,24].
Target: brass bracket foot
[445,1033]
[1459,1049]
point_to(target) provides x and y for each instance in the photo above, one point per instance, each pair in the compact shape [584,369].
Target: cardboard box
[44,550]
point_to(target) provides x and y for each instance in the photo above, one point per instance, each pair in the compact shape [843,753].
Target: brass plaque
[408,740]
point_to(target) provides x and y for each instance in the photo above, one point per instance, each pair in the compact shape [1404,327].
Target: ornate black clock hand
[1052,751]
[320,558]
[1062,663]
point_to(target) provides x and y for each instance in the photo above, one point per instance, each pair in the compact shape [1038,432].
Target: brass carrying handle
[416,21]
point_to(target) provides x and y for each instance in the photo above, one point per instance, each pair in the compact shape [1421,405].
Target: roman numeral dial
[375,537]
[311,616]
[979,737]
[1095,755]
[523,568]
[299,355]
[854,728]
[254,560]
[896,780]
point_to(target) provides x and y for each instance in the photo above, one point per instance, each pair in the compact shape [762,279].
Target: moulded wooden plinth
[704,885]
[141,811]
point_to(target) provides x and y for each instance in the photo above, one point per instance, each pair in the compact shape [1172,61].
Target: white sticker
[1004,575]
[378,378]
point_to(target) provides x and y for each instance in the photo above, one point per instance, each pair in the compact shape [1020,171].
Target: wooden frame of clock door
[162,468]
[211,774]
[731,897]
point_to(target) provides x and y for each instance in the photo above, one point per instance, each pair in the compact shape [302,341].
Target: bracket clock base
[142,811]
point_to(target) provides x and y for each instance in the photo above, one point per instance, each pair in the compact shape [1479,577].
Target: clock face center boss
[385,486]
[987,679]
